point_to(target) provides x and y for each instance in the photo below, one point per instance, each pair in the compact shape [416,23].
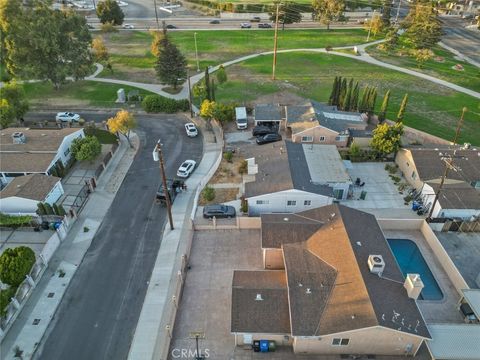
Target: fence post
[30,281]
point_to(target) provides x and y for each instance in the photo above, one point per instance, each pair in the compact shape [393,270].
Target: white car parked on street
[191,129]
[67,117]
[186,168]
[128,26]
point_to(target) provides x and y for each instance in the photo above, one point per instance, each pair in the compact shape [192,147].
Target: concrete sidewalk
[148,341]
[32,323]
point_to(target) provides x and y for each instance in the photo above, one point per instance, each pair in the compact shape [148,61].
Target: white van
[241,118]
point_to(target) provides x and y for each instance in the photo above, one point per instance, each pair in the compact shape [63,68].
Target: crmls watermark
[189,354]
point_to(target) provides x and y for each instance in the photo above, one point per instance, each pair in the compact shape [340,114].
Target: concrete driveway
[382,193]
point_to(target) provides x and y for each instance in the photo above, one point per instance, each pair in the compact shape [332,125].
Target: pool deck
[433,311]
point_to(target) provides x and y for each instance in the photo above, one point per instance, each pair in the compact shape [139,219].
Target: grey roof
[344,242]
[34,187]
[457,196]
[280,170]
[269,112]
[339,121]
[356,133]
[269,315]
[300,113]
[454,341]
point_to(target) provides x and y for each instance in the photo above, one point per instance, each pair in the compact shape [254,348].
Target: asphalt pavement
[99,313]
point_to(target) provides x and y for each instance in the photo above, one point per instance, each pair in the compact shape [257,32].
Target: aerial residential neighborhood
[244,179]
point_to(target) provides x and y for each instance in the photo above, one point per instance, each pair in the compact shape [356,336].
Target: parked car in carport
[261,130]
[218,211]
[269,138]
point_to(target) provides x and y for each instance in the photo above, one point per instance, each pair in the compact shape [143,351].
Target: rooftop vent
[376,264]
[19,138]
[414,285]
[309,291]
[259,297]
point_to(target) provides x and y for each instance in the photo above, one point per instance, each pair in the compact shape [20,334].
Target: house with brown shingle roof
[459,196]
[26,151]
[23,193]
[334,288]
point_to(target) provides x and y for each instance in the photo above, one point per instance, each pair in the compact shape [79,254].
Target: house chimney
[18,138]
[414,285]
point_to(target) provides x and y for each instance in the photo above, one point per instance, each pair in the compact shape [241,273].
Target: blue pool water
[411,261]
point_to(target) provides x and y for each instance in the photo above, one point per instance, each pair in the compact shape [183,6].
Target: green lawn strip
[432,108]
[95,93]
[103,136]
[469,78]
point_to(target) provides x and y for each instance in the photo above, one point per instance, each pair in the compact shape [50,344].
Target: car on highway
[218,211]
[261,130]
[269,138]
[186,169]
[67,117]
[245,25]
[214,22]
[128,26]
[191,129]
[264,26]
[255,19]
[170,26]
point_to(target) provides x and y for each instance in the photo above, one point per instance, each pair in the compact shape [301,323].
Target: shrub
[244,205]
[81,122]
[228,156]
[208,193]
[108,27]
[221,75]
[61,210]
[15,264]
[14,221]
[392,169]
[48,209]
[41,209]
[157,103]
[5,296]
[243,167]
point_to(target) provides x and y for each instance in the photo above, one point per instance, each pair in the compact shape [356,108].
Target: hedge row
[246,8]
[157,103]
[14,221]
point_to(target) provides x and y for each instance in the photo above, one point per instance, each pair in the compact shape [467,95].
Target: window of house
[322,138]
[307,138]
[66,152]
[340,342]
[307,202]
[291,203]
[262,202]
[337,138]
[414,175]
[408,164]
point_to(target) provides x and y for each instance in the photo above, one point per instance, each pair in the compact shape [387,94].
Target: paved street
[98,315]
[463,40]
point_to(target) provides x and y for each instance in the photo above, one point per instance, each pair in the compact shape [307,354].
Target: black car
[255,19]
[170,26]
[261,130]
[269,138]
[264,26]
[214,22]
[218,211]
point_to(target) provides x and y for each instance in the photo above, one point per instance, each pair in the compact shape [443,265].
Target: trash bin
[256,346]
[263,345]
[45,225]
[272,346]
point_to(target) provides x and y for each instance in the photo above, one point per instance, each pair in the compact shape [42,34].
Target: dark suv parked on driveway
[261,130]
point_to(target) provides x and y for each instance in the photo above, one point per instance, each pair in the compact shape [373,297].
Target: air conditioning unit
[376,264]
[18,138]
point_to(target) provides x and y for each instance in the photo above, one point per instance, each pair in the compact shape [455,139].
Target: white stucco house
[292,177]
[25,151]
[23,193]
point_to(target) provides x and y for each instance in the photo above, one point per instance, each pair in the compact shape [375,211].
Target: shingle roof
[35,187]
[25,162]
[269,112]
[357,298]
[457,196]
[269,315]
[339,121]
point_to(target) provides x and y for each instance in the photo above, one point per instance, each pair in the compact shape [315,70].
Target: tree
[160,40]
[348,98]
[355,96]
[221,75]
[288,13]
[423,29]
[327,10]
[332,98]
[343,93]
[384,107]
[387,139]
[375,24]
[171,66]
[422,56]
[223,113]
[14,94]
[7,114]
[109,11]
[123,122]
[15,264]
[386,14]
[43,43]
[199,90]
[391,40]
[403,108]
[86,149]
[207,109]
[206,79]
[100,51]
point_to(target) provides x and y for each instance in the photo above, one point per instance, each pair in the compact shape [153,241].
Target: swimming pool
[411,261]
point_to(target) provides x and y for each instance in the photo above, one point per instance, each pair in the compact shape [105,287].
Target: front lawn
[103,136]
[432,108]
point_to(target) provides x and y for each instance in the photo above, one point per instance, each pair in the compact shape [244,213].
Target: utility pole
[190,96]
[156,13]
[196,51]
[448,165]
[158,150]
[275,44]
[370,27]
[398,11]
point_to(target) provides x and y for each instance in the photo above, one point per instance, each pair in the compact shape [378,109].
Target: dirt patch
[228,172]
[284,97]
[122,72]
[54,101]
[221,196]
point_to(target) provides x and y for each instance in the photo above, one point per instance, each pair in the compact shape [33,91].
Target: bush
[108,28]
[244,205]
[243,167]
[228,156]
[392,169]
[15,264]
[41,209]
[208,193]
[157,103]
[14,221]
[5,296]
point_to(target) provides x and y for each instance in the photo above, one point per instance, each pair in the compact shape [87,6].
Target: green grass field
[431,108]
[88,93]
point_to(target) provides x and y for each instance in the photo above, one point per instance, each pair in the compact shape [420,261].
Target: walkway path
[364,56]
